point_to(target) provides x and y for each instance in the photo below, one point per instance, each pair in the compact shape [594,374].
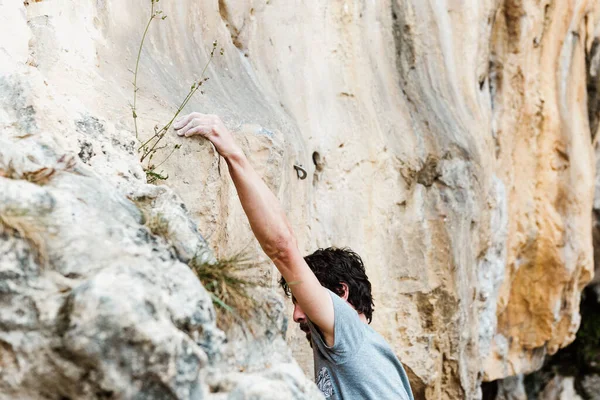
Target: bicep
[312,297]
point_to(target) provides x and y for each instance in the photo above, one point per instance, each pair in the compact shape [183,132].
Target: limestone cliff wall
[448,143]
[543,147]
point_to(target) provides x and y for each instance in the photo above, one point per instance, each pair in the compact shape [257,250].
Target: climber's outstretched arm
[267,219]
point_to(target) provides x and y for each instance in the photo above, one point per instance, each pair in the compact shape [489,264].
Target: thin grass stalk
[137,65]
[160,133]
[166,158]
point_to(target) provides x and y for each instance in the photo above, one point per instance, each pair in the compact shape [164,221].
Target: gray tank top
[360,364]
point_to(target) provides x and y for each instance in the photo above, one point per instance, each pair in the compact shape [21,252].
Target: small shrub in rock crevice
[228,289]
[224,279]
[158,225]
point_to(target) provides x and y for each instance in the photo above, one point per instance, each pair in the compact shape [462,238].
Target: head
[341,271]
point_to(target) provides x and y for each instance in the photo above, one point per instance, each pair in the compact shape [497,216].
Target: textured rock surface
[543,148]
[446,142]
[573,371]
[95,304]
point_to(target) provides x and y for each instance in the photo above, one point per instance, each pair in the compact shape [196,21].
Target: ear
[346,291]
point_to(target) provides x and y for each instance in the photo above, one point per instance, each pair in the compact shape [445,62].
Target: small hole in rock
[316,157]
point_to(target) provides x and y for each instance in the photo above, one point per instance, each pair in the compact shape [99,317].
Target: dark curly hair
[332,267]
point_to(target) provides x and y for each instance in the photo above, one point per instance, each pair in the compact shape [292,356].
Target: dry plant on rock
[151,146]
[40,176]
[229,290]
[158,224]
[23,226]
[223,278]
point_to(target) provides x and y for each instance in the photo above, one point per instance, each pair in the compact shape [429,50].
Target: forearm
[265,214]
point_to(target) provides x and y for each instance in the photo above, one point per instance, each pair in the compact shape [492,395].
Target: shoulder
[344,312]
[349,332]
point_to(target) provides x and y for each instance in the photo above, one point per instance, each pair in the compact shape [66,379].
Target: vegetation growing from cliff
[223,279]
[42,175]
[18,223]
[149,148]
[22,226]
[229,290]
[158,225]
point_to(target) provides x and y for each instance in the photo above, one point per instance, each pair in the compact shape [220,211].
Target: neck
[363,318]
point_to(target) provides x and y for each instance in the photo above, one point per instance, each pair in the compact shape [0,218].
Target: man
[330,290]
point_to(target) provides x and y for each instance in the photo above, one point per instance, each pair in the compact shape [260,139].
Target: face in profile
[301,319]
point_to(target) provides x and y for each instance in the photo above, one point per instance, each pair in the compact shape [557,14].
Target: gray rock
[96,302]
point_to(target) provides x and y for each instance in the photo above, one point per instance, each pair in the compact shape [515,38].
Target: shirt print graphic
[324,382]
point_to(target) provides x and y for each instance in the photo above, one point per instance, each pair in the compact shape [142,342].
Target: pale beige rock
[446,142]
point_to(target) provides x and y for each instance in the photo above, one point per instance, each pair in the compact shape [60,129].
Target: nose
[299,315]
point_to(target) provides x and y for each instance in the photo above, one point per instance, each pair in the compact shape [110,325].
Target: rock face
[98,302]
[447,143]
[543,148]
